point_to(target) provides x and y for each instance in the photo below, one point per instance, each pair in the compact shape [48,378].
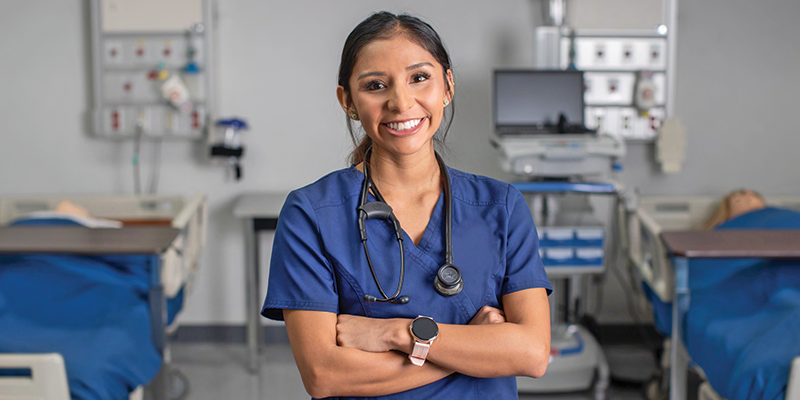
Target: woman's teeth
[401,126]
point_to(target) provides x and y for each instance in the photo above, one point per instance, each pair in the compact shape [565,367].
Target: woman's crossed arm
[358,356]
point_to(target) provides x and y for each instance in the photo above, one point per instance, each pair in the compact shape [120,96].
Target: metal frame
[259,212]
[572,276]
[679,359]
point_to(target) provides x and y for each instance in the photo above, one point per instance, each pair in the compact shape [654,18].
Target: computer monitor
[538,101]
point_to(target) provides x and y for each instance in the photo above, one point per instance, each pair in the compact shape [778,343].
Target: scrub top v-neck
[318,262]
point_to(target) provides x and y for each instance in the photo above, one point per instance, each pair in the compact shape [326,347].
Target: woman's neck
[405,175]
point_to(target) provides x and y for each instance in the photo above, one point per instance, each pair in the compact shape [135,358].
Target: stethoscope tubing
[364,215]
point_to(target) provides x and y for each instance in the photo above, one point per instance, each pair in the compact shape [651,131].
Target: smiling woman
[433,62]
[470,312]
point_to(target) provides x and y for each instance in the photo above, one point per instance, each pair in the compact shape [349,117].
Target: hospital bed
[662,238]
[157,244]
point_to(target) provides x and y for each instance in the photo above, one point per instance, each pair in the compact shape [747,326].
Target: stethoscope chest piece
[448,280]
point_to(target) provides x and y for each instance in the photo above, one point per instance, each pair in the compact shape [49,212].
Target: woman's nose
[400,99]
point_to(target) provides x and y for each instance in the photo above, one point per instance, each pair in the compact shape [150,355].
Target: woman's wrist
[400,338]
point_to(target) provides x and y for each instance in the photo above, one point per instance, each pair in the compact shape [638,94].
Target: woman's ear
[451,85]
[344,99]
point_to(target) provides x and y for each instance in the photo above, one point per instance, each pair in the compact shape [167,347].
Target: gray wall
[737,85]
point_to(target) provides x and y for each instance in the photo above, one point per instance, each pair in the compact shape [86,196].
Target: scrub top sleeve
[524,268]
[300,275]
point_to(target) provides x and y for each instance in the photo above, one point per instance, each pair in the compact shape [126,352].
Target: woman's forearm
[331,370]
[488,351]
[520,346]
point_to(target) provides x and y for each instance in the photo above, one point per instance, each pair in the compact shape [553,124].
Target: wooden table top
[80,240]
[734,243]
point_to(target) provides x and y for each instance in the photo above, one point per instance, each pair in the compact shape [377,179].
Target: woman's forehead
[397,52]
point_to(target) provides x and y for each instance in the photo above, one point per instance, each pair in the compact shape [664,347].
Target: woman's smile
[404,128]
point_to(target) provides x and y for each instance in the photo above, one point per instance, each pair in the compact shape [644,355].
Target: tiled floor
[218,371]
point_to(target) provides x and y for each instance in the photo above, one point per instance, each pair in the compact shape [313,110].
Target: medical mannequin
[396,85]
[733,205]
[68,207]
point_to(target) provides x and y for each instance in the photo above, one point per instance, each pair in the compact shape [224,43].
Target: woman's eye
[374,85]
[421,77]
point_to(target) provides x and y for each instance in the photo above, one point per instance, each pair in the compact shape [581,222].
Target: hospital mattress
[744,315]
[92,310]
[96,310]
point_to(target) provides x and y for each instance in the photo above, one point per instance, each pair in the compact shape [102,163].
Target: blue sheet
[93,310]
[743,323]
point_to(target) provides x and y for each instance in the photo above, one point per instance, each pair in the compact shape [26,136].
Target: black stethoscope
[448,279]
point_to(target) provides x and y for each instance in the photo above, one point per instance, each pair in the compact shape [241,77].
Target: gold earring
[446,102]
[354,117]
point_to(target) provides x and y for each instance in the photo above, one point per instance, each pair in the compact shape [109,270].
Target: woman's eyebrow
[418,65]
[409,68]
[371,73]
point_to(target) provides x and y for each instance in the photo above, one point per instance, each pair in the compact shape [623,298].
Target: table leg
[252,284]
[158,319]
[680,304]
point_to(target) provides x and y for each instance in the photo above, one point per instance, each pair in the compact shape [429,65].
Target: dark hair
[380,26]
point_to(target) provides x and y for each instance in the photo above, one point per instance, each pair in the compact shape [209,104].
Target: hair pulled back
[381,26]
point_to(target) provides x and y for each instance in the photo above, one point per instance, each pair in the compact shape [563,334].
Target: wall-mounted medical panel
[152,66]
[616,53]
[627,122]
[620,88]
[625,77]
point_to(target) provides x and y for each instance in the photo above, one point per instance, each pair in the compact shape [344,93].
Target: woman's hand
[488,315]
[368,334]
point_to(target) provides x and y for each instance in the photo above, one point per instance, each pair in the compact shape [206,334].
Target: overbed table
[136,240]
[260,213]
[683,245]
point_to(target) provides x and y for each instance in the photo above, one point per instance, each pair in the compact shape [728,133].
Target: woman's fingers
[488,315]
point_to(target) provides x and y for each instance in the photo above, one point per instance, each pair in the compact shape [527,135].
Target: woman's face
[398,90]
[743,202]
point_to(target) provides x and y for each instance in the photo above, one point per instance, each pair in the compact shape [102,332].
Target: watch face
[424,328]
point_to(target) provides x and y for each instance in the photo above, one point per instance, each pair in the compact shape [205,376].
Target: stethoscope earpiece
[368,298]
[401,300]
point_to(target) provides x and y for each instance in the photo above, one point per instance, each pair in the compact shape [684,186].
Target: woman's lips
[405,128]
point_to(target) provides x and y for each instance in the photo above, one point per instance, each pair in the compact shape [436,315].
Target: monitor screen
[536,98]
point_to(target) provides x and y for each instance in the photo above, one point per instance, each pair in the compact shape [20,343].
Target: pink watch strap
[419,353]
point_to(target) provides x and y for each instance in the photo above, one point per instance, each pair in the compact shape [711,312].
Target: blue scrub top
[318,262]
